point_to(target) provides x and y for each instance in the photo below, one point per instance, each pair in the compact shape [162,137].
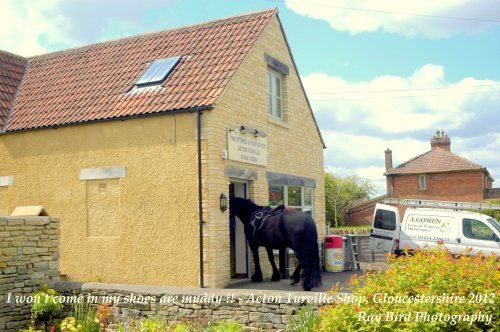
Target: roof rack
[442,204]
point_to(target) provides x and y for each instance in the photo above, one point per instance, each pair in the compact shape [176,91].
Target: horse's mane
[245,201]
[244,204]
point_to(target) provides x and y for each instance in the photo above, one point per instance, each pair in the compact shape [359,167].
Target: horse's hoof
[276,277]
[294,282]
[257,278]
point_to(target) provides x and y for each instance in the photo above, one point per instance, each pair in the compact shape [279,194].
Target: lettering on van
[433,238]
[426,220]
[428,224]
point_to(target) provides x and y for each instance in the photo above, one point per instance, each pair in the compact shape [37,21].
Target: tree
[341,192]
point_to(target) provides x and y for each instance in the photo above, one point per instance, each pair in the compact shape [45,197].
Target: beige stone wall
[294,146]
[29,256]
[140,229]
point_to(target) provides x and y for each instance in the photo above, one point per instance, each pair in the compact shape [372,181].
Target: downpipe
[200,197]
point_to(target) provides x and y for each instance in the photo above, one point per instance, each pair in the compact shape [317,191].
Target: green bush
[30,329]
[225,326]
[84,319]
[159,324]
[427,291]
[306,319]
[490,212]
[150,324]
[45,308]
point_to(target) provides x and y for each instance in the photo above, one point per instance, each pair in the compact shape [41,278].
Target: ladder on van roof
[442,204]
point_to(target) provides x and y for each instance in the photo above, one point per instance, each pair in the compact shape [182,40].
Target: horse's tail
[311,273]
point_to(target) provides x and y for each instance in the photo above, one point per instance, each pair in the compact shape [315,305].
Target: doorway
[237,240]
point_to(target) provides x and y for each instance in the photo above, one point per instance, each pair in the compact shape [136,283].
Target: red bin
[334,256]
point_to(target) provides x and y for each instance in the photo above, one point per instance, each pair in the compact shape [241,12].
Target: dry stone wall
[257,310]
[29,257]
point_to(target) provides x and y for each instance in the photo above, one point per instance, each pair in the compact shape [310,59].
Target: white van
[461,232]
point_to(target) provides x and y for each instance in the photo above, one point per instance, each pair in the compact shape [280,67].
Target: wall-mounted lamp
[253,131]
[241,129]
[224,202]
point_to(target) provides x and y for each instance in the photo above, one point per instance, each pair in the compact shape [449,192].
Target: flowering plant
[429,290]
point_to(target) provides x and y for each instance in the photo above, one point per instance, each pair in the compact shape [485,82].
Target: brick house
[133,142]
[437,174]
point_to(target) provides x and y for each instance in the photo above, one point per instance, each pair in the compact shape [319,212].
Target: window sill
[277,122]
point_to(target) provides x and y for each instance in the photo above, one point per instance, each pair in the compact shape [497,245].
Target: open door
[384,234]
[238,243]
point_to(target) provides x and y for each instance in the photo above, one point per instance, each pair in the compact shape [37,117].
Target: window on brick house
[421,182]
[275,93]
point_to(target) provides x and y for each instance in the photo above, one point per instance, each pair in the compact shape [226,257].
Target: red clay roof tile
[12,68]
[94,82]
[436,160]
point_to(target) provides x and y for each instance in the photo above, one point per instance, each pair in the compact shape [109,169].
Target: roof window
[157,71]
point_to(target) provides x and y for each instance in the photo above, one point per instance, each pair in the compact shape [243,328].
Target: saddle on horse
[260,216]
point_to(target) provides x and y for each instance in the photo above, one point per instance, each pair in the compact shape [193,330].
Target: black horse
[294,229]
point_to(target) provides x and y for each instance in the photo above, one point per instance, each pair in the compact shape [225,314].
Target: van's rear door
[385,228]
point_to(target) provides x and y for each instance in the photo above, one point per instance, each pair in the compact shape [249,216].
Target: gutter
[118,118]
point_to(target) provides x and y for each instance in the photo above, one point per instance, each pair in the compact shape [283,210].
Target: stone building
[134,143]
[437,174]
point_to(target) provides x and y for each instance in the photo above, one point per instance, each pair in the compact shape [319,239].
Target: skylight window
[158,71]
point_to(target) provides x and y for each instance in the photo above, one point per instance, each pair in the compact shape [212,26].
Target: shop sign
[247,148]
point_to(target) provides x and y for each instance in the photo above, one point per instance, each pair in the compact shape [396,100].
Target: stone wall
[254,309]
[29,257]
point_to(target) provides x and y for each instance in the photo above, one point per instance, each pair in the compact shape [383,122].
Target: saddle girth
[259,217]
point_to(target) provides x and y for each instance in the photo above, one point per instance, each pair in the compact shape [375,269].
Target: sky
[378,73]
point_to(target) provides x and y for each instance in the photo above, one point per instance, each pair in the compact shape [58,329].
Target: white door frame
[241,246]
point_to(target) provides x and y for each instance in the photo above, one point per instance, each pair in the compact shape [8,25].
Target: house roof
[363,205]
[94,82]
[437,160]
[11,72]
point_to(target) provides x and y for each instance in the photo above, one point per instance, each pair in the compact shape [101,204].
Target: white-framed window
[275,93]
[421,182]
[298,197]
